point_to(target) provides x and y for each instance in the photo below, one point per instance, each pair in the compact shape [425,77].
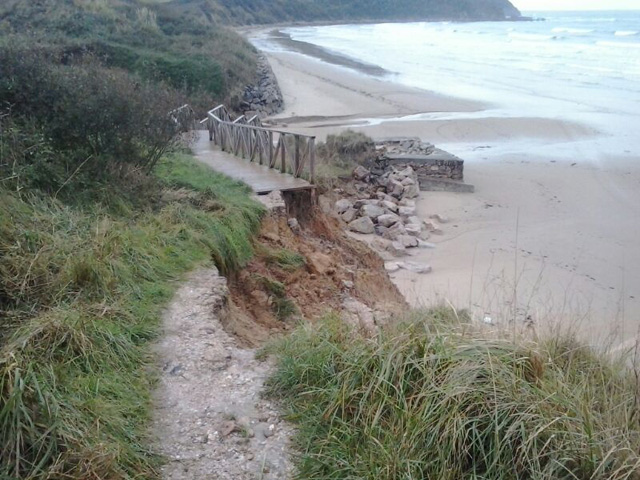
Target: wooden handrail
[248,138]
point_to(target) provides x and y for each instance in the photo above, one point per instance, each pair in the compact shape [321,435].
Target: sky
[577,4]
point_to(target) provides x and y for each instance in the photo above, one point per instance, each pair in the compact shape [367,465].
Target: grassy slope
[432,399]
[91,283]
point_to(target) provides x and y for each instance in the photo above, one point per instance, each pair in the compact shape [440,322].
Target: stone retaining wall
[264,98]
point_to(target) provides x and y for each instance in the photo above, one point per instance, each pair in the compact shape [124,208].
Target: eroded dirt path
[210,421]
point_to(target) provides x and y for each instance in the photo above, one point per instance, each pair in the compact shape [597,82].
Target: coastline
[548,235]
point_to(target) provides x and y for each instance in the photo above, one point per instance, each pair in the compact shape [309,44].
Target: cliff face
[248,12]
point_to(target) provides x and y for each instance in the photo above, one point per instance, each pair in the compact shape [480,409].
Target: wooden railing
[288,152]
[184,117]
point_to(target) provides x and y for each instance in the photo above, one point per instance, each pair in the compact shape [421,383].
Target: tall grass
[81,291]
[434,399]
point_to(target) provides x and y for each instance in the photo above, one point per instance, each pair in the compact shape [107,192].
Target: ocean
[578,66]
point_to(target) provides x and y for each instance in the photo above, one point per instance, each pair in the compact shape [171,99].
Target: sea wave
[625,33]
[573,31]
[619,44]
[532,37]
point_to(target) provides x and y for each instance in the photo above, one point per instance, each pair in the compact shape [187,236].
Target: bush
[79,121]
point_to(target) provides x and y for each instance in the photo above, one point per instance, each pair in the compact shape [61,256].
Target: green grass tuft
[434,399]
[81,293]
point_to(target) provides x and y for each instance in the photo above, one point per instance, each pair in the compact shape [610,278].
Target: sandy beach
[551,232]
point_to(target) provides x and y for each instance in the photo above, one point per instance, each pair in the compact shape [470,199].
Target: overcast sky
[577,4]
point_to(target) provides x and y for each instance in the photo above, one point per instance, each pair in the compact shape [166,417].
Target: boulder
[415,220]
[405,202]
[408,181]
[361,173]
[439,218]
[380,230]
[406,173]
[395,188]
[423,244]
[433,227]
[408,241]
[397,249]
[350,215]
[413,229]
[371,211]
[388,219]
[362,225]
[411,191]
[390,206]
[416,267]
[319,263]
[394,232]
[391,267]
[407,212]
[358,204]
[380,244]
[343,205]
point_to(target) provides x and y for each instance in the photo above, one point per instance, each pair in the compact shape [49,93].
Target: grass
[433,398]
[81,292]
[282,258]
[282,305]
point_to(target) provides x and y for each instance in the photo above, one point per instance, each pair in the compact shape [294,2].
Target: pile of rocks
[264,98]
[385,205]
[405,146]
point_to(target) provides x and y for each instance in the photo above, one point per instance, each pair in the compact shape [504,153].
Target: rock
[349,215]
[371,211]
[390,206]
[395,188]
[413,229]
[389,219]
[411,191]
[380,244]
[397,249]
[405,202]
[361,173]
[415,220]
[423,244]
[391,267]
[424,235]
[408,181]
[362,225]
[348,284]
[440,218]
[294,225]
[407,211]
[319,263]
[358,204]
[394,232]
[380,230]
[433,228]
[407,172]
[416,267]
[343,205]
[408,241]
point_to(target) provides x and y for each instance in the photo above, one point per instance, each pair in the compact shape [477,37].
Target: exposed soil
[340,273]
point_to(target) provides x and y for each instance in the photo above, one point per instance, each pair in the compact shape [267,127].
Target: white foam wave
[619,44]
[625,33]
[532,37]
[573,31]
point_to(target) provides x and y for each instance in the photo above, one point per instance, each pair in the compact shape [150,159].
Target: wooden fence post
[312,160]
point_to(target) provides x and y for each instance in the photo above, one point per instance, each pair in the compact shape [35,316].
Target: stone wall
[426,160]
[264,98]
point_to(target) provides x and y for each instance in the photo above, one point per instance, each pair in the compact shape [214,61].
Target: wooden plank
[260,178]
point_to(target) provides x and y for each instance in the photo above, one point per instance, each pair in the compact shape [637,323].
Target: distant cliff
[251,12]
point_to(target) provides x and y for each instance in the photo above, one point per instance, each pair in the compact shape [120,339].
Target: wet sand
[551,234]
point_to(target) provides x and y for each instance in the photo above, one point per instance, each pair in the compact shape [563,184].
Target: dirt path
[209,420]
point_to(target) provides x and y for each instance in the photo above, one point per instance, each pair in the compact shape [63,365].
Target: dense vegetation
[434,398]
[244,12]
[100,214]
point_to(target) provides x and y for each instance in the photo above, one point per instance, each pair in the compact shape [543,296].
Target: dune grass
[433,399]
[81,292]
